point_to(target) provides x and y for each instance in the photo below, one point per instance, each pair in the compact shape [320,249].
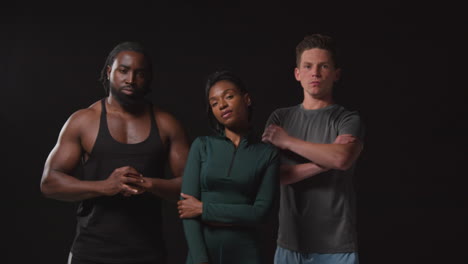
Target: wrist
[287,143]
[100,188]
[200,208]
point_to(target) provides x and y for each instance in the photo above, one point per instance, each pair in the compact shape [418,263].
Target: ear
[247,99]
[337,74]
[108,71]
[296,74]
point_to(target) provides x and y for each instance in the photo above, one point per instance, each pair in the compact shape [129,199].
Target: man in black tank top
[122,143]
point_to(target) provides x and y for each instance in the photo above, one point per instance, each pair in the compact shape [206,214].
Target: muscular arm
[178,151]
[57,181]
[338,155]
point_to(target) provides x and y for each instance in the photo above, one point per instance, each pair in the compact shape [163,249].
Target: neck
[235,134]
[311,103]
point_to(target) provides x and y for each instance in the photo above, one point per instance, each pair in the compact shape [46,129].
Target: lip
[316,83]
[226,114]
[128,90]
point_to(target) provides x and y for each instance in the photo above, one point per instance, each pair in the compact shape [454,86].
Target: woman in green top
[230,180]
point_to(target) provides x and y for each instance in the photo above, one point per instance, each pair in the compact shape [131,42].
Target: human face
[317,73]
[229,105]
[128,77]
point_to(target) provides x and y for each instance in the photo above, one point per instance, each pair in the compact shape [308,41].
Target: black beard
[128,101]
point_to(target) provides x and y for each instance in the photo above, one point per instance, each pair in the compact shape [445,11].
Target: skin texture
[128,117]
[230,108]
[316,73]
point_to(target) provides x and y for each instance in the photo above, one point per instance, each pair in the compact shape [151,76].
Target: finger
[129,189]
[127,193]
[134,175]
[183,195]
[187,196]
[132,170]
[132,180]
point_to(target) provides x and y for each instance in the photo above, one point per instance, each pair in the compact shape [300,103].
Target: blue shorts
[286,256]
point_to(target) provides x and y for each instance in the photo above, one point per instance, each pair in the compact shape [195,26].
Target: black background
[402,69]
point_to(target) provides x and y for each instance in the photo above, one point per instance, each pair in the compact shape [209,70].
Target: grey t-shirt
[317,215]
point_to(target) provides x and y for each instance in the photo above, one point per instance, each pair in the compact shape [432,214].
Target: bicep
[66,154]
[178,152]
[178,143]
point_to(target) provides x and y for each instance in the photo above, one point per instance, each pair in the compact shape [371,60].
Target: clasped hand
[127,181]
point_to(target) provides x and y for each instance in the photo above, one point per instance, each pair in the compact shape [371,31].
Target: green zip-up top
[236,185]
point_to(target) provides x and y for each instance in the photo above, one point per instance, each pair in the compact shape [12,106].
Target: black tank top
[118,229]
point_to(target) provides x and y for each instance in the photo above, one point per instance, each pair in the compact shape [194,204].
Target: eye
[123,70]
[214,104]
[307,66]
[141,74]
[229,96]
[325,66]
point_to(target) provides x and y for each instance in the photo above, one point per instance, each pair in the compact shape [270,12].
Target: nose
[315,71]
[130,78]
[222,104]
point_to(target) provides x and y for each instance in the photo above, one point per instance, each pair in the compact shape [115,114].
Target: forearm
[61,186]
[334,156]
[290,174]
[237,214]
[167,188]
[195,240]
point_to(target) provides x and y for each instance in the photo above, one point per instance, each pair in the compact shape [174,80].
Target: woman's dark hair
[218,76]
[125,46]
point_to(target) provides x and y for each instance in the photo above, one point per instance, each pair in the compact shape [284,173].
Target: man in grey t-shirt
[320,143]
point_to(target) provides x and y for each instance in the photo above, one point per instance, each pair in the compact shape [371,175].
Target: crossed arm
[340,155]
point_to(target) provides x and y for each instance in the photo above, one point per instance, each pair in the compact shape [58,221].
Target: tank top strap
[103,114]
[154,125]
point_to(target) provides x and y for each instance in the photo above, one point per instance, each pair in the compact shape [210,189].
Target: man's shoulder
[280,112]
[340,112]
[82,121]
[286,109]
[167,123]
[88,114]
[164,118]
